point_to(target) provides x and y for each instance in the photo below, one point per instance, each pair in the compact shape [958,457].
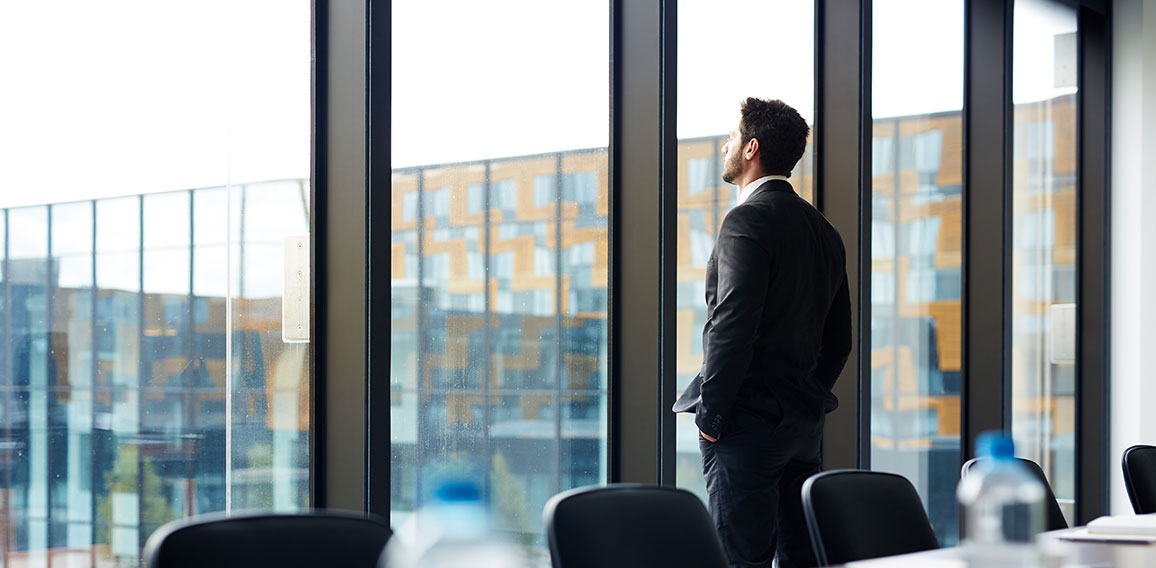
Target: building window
[504,312]
[916,227]
[1044,256]
[145,374]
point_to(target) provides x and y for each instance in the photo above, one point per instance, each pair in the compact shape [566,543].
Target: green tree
[509,501]
[156,509]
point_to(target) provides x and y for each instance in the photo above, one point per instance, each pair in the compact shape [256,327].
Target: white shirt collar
[749,188]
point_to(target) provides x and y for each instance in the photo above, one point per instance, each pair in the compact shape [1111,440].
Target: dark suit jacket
[778,328]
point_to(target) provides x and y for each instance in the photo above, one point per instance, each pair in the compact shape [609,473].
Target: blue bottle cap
[458,491]
[994,444]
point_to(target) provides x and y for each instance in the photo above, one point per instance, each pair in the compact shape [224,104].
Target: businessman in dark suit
[777,335]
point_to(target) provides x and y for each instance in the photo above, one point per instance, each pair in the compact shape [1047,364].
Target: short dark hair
[781,131]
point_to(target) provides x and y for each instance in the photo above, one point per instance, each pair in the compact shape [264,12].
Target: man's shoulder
[782,211]
[746,214]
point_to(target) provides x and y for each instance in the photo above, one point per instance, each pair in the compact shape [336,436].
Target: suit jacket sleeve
[743,267]
[836,338]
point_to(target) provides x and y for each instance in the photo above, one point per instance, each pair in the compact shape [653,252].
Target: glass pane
[29,398]
[144,376]
[498,351]
[269,370]
[72,359]
[916,225]
[1044,241]
[710,90]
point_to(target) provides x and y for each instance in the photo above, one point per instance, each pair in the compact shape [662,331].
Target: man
[777,335]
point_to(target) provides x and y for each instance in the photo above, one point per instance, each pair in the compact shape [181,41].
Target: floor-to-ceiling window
[498,302]
[1044,235]
[157,160]
[499,253]
[916,223]
[713,79]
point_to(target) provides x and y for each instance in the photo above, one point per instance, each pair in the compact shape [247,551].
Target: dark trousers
[754,479]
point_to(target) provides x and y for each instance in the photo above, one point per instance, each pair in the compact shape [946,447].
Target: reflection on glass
[1044,240]
[499,264]
[512,387]
[711,88]
[268,461]
[113,396]
[916,224]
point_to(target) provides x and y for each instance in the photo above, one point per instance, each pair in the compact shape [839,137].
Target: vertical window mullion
[986,219]
[642,150]
[378,297]
[1093,461]
[842,137]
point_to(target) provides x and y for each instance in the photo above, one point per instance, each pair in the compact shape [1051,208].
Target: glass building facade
[491,352]
[916,261]
[499,339]
[145,376]
[916,348]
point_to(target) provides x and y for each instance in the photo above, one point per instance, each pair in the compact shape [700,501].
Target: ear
[752,149]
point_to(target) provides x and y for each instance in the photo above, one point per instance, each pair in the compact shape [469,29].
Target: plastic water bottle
[453,531]
[1003,507]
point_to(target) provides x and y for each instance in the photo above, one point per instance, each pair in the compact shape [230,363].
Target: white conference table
[1074,554]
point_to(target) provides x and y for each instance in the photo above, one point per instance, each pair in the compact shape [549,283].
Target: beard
[731,168]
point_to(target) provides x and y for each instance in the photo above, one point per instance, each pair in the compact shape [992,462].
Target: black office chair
[1140,478]
[284,540]
[858,515]
[631,526]
[1055,520]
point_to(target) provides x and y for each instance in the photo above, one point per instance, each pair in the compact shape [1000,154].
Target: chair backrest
[857,515]
[283,540]
[631,526]
[1055,520]
[1140,478]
